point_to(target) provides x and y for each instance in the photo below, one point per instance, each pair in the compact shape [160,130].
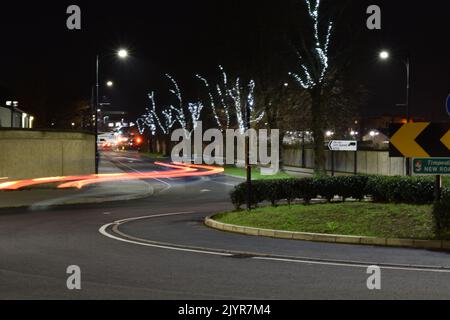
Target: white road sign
[343,145]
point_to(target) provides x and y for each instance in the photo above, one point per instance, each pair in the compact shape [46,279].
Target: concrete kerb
[329,238]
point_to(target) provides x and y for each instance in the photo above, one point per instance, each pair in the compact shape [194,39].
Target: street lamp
[384,55]
[122,54]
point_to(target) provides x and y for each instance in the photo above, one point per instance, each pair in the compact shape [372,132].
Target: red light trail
[178,170]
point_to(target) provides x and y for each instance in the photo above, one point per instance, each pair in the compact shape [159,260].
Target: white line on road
[103,231]
[337,264]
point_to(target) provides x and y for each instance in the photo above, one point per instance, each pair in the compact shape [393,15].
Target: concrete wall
[368,162]
[5,117]
[36,153]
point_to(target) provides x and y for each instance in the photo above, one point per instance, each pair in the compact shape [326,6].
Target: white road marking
[337,264]
[103,231]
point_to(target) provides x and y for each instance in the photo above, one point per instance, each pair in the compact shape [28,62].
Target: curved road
[158,248]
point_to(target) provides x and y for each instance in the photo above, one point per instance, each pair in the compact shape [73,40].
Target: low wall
[40,153]
[368,162]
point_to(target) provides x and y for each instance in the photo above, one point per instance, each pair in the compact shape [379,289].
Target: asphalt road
[160,249]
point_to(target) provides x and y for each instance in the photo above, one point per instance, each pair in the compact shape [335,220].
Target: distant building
[112,118]
[13,117]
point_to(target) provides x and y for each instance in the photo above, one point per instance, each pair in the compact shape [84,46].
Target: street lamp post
[384,55]
[123,54]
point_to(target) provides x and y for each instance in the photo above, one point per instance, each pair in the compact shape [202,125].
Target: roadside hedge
[398,189]
[441,216]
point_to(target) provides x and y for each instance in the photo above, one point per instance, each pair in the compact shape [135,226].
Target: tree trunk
[318,131]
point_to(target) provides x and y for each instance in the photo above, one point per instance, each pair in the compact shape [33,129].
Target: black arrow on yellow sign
[420,140]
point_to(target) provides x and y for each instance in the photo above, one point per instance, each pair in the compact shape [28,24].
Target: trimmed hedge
[398,189]
[441,216]
[411,190]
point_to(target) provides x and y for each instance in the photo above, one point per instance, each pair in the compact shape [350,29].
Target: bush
[441,216]
[305,189]
[412,190]
[415,190]
[326,187]
[351,187]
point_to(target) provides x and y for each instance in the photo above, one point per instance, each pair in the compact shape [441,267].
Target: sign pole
[438,188]
[332,163]
[356,163]
[247,160]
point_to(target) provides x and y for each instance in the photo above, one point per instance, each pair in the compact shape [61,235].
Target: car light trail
[178,170]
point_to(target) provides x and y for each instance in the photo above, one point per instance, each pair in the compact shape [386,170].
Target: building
[13,117]
[112,118]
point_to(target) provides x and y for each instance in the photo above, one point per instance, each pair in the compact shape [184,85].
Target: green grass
[256,174]
[356,218]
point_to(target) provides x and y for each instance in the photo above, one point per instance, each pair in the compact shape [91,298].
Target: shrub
[413,190]
[326,187]
[351,187]
[441,216]
[305,189]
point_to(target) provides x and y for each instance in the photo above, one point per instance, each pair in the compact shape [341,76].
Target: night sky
[49,68]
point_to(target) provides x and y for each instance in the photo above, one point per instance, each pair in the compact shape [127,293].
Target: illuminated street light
[109,83]
[384,55]
[329,133]
[122,53]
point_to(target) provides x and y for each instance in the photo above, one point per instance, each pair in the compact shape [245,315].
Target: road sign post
[342,145]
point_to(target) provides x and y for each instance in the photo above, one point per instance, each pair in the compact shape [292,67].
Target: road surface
[158,248]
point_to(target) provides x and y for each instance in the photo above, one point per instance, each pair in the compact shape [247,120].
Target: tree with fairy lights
[313,75]
[229,100]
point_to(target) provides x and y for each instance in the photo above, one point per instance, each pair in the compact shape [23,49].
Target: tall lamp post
[122,54]
[384,55]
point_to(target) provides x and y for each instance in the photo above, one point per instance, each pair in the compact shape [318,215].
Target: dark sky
[49,67]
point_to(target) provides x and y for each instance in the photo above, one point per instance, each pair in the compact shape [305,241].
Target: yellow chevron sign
[420,140]
[446,140]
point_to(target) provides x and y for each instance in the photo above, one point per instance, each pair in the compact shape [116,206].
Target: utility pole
[408,112]
[247,158]
[97,105]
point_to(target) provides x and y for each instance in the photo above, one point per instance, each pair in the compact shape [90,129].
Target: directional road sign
[343,145]
[431,166]
[420,140]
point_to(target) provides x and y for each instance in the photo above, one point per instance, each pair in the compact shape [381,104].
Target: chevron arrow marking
[446,140]
[405,140]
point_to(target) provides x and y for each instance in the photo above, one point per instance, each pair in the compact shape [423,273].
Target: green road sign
[431,166]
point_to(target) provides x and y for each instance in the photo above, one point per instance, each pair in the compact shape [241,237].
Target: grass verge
[256,174]
[354,219]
